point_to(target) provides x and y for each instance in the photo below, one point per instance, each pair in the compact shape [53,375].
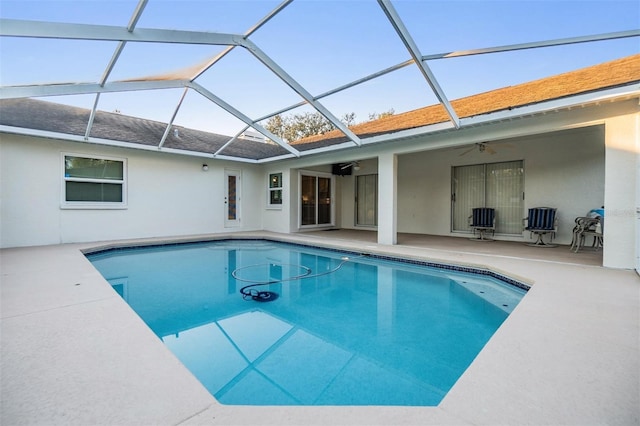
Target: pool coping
[548,363]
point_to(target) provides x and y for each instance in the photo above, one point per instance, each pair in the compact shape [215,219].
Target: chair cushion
[541,219]
[482,217]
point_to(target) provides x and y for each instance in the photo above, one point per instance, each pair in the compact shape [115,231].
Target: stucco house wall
[276,219]
[563,170]
[168,195]
[622,136]
[574,160]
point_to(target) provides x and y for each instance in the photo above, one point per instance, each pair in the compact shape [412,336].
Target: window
[275,190]
[93,182]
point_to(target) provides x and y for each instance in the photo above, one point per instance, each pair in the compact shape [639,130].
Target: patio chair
[539,222]
[585,227]
[482,221]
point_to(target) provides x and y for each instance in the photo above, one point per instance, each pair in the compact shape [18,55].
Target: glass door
[324,201]
[308,190]
[505,186]
[467,192]
[367,200]
[496,185]
[316,200]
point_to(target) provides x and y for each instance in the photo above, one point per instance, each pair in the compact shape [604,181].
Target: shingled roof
[63,119]
[611,74]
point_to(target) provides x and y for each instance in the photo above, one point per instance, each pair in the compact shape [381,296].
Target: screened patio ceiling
[228,67]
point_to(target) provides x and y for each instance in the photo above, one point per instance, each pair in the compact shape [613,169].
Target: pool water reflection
[357,332]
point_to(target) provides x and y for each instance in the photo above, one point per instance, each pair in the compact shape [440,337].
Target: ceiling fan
[483,147]
[354,164]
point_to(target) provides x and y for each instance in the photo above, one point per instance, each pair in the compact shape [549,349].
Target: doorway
[496,185]
[316,200]
[367,200]
[232,198]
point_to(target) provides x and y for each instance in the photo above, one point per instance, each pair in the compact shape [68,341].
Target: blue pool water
[339,329]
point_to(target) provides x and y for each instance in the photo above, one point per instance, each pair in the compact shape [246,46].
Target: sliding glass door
[367,200]
[467,188]
[496,185]
[316,199]
[308,200]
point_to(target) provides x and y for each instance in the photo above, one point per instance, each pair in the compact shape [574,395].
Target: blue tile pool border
[436,265]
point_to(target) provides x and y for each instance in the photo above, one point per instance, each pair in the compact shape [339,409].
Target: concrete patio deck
[73,352]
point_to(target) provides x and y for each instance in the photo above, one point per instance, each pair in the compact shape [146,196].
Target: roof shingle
[609,74]
[64,119]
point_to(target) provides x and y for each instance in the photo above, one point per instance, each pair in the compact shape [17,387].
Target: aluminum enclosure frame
[130,33]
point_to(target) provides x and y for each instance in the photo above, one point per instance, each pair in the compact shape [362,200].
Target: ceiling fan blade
[468,151]
[346,166]
[490,150]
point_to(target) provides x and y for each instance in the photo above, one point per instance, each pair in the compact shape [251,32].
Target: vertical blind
[496,185]
[467,193]
[504,193]
[93,180]
[367,200]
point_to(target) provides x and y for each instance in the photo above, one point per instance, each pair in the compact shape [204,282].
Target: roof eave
[120,144]
[569,102]
[581,100]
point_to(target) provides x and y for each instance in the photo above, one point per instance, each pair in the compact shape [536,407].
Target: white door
[232,198]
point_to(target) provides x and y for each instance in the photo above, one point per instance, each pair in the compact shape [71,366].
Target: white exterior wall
[570,163]
[277,219]
[168,195]
[563,170]
[567,164]
[622,152]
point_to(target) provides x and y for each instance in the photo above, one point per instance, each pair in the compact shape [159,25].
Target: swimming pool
[336,328]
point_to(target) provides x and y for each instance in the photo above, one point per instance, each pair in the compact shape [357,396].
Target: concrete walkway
[73,352]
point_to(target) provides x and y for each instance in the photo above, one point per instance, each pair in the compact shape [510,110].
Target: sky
[322,44]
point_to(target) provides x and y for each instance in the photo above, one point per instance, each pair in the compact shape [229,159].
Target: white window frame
[270,189]
[100,205]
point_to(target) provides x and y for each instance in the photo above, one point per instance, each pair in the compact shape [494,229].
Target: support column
[621,224]
[388,199]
